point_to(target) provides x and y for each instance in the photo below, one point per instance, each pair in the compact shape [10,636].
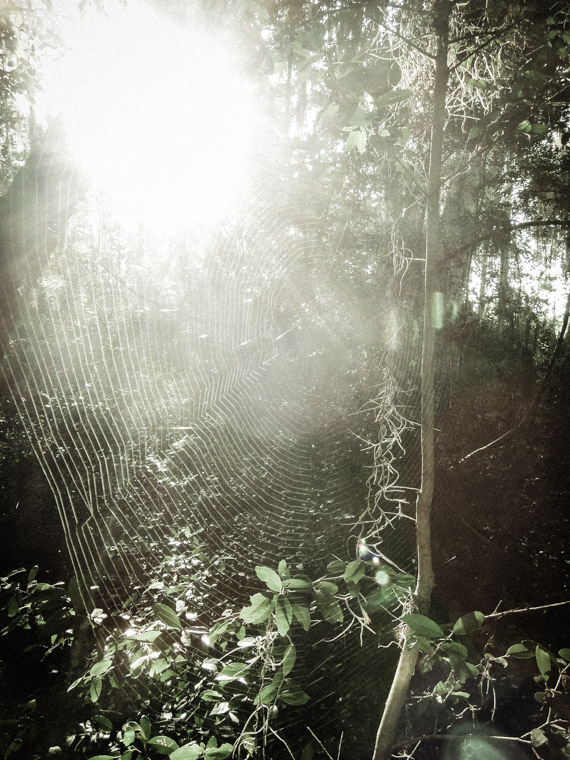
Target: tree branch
[520,610]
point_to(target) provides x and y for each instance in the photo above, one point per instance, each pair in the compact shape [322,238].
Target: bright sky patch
[153,113]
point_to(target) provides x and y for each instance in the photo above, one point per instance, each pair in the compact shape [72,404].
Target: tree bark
[424,585]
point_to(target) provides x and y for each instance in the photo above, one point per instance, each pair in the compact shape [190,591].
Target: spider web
[210,389]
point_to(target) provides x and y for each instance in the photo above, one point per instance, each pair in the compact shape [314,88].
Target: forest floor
[502,521]
[500,534]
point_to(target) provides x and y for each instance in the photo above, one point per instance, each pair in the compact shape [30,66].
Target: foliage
[226,694]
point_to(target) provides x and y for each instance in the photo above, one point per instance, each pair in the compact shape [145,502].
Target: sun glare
[153,113]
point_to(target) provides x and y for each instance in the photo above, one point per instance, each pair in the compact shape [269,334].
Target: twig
[454,737]
[519,610]
[281,739]
[325,750]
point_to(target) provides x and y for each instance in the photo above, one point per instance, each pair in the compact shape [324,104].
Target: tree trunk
[422,594]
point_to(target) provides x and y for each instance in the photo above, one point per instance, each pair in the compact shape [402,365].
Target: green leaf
[543,662]
[269,577]
[258,610]
[326,587]
[296,583]
[336,567]
[454,648]
[289,659]
[524,126]
[359,118]
[538,737]
[95,688]
[164,745]
[283,616]
[354,571]
[146,636]
[233,671]
[378,599]
[519,652]
[329,608]
[32,574]
[100,667]
[145,727]
[294,696]
[103,757]
[74,591]
[167,616]
[129,736]
[13,606]
[308,752]
[565,654]
[209,695]
[423,626]
[468,623]
[354,139]
[303,615]
[283,570]
[219,753]
[188,752]
[267,694]
[102,721]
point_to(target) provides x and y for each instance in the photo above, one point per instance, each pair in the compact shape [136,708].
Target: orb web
[221,389]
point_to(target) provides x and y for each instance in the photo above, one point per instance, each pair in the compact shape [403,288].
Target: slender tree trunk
[400,684]
[483,285]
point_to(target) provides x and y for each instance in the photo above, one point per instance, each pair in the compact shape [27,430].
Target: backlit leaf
[269,577]
[423,626]
[354,571]
[209,695]
[283,616]
[326,587]
[190,752]
[468,623]
[543,661]
[282,569]
[100,667]
[167,616]
[163,745]
[329,608]
[258,610]
[303,615]
[294,696]
[103,721]
[296,583]
[95,689]
[219,753]
[336,567]
[519,651]
[289,659]
[145,727]
[538,737]
[233,671]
